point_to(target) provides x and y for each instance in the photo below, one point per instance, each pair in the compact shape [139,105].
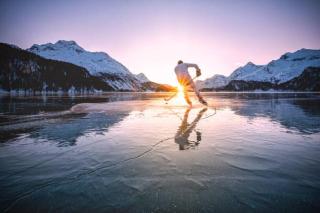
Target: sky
[150,36]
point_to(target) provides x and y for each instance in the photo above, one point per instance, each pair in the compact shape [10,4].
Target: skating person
[186,81]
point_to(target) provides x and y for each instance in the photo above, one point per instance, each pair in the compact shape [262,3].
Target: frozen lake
[127,152]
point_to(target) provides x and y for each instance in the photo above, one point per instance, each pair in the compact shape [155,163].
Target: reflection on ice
[66,133]
[185,129]
[292,114]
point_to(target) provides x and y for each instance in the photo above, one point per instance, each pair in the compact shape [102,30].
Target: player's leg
[184,82]
[196,91]
[186,95]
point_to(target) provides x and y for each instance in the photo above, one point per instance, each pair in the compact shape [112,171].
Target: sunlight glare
[179,99]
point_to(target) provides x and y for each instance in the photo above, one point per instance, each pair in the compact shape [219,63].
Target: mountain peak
[68,44]
[219,76]
[301,54]
[142,78]
[60,44]
[65,42]
[250,64]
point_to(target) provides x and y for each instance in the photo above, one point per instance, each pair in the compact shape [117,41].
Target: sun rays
[179,98]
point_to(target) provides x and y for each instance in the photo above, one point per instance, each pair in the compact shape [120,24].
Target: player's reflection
[185,129]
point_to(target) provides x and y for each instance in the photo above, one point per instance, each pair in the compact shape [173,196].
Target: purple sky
[150,36]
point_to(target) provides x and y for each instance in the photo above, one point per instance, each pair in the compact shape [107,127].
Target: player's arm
[198,73]
[193,66]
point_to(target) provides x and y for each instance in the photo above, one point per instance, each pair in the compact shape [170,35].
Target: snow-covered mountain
[242,72]
[24,72]
[287,67]
[213,82]
[142,78]
[97,63]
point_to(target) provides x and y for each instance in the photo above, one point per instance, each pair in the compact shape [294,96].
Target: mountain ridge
[25,72]
[97,63]
[308,80]
[142,78]
[283,69]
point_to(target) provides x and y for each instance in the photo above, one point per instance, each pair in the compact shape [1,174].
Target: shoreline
[59,93]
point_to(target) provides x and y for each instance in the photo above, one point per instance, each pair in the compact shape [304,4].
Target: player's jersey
[182,73]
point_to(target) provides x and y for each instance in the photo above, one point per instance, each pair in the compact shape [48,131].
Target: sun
[180,88]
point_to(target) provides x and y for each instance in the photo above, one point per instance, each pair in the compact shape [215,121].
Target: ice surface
[122,152]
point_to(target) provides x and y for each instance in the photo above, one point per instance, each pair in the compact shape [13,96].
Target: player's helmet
[180,62]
